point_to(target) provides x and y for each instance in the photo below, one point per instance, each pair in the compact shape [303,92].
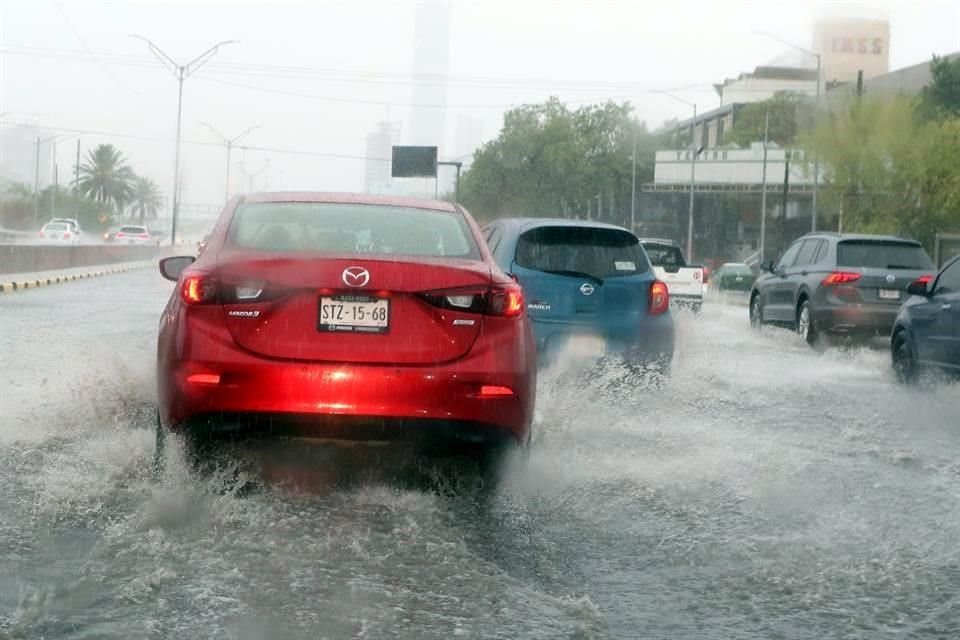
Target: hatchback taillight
[840,277]
[659,300]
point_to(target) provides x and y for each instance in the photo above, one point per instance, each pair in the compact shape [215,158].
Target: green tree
[106,177]
[789,115]
[147,198]
[549,160]
[941,98]
[890,172]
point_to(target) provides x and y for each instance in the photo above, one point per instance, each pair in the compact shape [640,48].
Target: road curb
[9,286]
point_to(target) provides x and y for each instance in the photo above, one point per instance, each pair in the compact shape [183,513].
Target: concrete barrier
[30,258]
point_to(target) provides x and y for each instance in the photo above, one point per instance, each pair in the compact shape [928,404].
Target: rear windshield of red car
[602,253]
[297,227]
[882,254]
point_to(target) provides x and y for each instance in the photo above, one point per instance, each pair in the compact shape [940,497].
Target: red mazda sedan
[345,316]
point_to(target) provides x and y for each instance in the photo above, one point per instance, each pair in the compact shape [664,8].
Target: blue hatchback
[589,288]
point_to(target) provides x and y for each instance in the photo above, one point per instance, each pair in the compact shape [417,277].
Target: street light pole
[763,195]
[693,180]
[633,184]
[181,72]
[229,143]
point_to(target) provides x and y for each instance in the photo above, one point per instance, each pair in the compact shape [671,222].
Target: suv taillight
[840,277]
[659,300]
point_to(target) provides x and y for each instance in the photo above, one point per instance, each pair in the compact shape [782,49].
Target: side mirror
[171,268]
[917,288]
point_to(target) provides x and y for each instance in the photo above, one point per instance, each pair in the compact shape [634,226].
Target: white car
[74,225]
[59,233]
[132,234]
[684,282]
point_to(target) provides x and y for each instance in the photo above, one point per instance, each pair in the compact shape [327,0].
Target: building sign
[849,46]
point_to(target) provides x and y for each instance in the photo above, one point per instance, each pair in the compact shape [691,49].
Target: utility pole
[763,188]
[36,186]
[456,187]
[693,180]
[816,157]
[76,183]
[181,72]
[228,143]
[633,183]
[786,190]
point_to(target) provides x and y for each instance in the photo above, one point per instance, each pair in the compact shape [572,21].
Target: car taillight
[41,235]
[840,277]
[506,301]
[706,275]
[501,300]
[144,235]
[925,280]
[198,289]
[659,300]
[67,235]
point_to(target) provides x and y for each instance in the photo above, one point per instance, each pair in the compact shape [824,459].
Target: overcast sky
[319,75]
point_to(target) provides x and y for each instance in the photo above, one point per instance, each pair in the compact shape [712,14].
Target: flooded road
[766,491]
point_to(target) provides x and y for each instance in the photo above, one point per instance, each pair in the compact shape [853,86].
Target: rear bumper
[869,319]
[344,401]
[653,340]
[682,300]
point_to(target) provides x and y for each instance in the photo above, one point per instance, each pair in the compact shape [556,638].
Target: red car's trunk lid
[310,307]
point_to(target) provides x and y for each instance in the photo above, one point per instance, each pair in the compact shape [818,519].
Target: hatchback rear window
[879,254]
[56,227]
[291,227]
[601,253]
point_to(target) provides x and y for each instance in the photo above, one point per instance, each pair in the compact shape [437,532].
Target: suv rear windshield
[290,227]
[664,255]
[882,254]
[601,253]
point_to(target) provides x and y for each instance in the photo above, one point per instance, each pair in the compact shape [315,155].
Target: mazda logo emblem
[586,289]
[355,276]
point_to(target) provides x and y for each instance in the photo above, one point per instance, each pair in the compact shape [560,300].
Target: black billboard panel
[414,162]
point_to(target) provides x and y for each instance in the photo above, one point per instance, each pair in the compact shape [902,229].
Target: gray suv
[838,284]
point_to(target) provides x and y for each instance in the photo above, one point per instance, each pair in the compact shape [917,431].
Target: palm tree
[147,199]
[106,178]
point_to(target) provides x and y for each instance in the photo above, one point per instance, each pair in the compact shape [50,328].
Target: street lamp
[693,168]
[36,176]
[816,158]
[181,72]
[228,143]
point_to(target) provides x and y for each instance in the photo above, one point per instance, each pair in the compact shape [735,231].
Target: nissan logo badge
[586,288]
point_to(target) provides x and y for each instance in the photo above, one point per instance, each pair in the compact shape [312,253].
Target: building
[848,46]
[907,81]
[380,142]
[431,64]
[765,82]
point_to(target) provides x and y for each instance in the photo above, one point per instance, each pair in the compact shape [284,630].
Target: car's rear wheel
[904,359]
[756,312]
[805,326]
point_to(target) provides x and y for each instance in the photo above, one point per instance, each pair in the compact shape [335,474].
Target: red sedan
[345,316]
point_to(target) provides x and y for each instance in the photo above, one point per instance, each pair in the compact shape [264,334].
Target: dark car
[590,289]
[347,316]
[734,276]
[838,284]
[927,330]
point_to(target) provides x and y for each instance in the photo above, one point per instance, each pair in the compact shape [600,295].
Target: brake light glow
[66,235]
[840,277]
[659,300]
[204,378]
[925,279]
[507,301]
[197,289]
[495,391]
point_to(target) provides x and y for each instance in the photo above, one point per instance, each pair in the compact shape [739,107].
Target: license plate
[587,346]
[889,294]
[354,314]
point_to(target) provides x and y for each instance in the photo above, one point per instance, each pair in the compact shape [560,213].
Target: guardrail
[11,236]
[25,258]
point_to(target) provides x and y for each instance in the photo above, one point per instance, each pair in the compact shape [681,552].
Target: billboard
[414,162]
[850,45]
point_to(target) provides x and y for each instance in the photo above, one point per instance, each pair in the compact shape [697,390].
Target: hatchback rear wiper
[903,266]
[574,274]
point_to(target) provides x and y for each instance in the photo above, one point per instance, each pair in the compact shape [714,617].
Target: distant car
[734,276]
[589,287]
[74,225]
[132,234]
[685,282]
[110,235]
[59,233]
[346,316]
[840,285]
[927,329]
